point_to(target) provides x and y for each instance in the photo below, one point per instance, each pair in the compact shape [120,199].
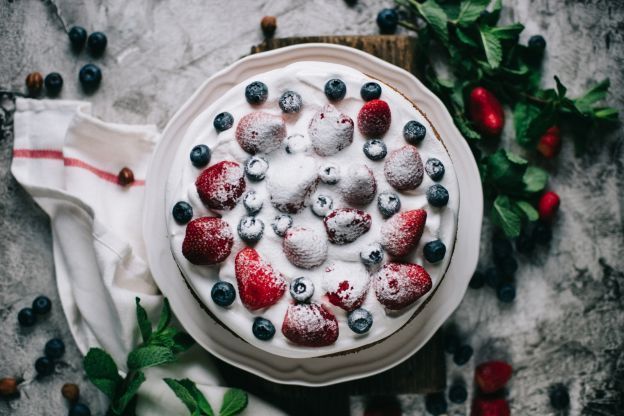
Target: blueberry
[256,167]
[200,155]
[360,321]
[525,243]
[375,149]
[414,132]
[492,277]
[462,355]
[437,195]
[223,121]
[41,305]
[26,317]
[370,91]
[296,143]
[501,248]
[281,224]
[54,348]
[322,205]
[96,43]
[435,403]
[335,89]
[388,203]
[53,83]
[559,397]
[329,174]
[537,43]
[252,202]
[90,77]
[44,366]
[301,289]
[434,251]
[542,233]
[256,93]
[263,329]
[223,293]
[507,266]
[451,342]
[458,393]
[290,102]
[435,169]
[250,229]
[77,37]
[79,409]
[387,20]
[506,292]
[182,212]
[477,281]
[372,254]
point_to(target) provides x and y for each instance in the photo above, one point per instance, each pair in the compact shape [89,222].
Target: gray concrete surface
[567,324]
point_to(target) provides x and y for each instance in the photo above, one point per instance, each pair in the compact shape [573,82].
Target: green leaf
[496,11]
[145,326]
[165,316]
[514,158]
[504,173]
[470,10]
[542,122]
[182,342]
[527,209]
[234,402]
[465,129]
[505,217]
[465,38]
[182,393]
[149,356]
[606,113]
[102,371]
[524,114]
[596,93]
[190,395]
[534,179]
[131,390]
[492,47]
[561,89]
[435,17]
[509,32]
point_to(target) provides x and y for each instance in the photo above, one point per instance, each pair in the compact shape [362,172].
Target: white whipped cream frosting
[308,79]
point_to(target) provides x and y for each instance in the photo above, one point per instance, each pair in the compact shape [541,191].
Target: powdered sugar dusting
[305,248]
[346,284]
[260,132]
[404,169]
[221,185]
[345,225]
[398,285]
[358,185]
[330,131]
[310,325]
[289,193]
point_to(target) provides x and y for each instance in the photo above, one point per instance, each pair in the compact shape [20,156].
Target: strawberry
[486,112]
[403,168]
[310,325]
[398,285]
[492,376]
[344,287]
[402,232]
[548,206]
[358,185]
[330,131]
[374,118]
[289,193]
[304,247]
[550,143]
[208,240]
[221,185]
[482,406]
[260,132]
[345,225]
[259,286]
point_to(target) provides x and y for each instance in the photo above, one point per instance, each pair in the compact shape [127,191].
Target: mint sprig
[234,400]
[480,52]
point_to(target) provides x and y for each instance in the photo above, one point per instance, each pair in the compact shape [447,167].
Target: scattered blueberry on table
[458,393]
[435,403]
[492,277]
[559,397]
[96,43]
[360,321]
[54,348]
[477,281]
[79,409]
[335,89]
[44,366]
[223,121]
[506,292]
[90,77]
[77,37]
[182,212]
[53,83]
[200,155]
[537,43]
[370,91]
[26,317]
[387,20]
[41,305]
[301,289]
[223,293]
[256,93]
[414,132]
[263,329]
[462,355]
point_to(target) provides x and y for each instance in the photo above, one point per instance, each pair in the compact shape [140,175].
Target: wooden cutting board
[425,371]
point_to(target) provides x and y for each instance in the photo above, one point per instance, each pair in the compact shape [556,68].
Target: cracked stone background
[567,323]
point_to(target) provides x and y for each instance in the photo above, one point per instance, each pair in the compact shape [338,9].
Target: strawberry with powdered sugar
[403,168]
[310,325]
[345,225]
[330,131]
[398,285]
[260,132]
[221,185]
[207,241]
[358,185]
[344,286]
[402,232]
[259,285]
[305,248]
[374,118]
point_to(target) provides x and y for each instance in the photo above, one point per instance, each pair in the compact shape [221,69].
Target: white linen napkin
[69,161]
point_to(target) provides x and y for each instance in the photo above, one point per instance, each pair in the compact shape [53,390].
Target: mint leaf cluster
[480,52]
[234,400]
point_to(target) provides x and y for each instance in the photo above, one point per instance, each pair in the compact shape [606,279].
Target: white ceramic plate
[328,370]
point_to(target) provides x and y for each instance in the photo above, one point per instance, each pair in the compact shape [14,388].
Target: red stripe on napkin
[70,161]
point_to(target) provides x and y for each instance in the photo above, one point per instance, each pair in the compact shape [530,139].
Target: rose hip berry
[34,83]
[548,206]
[486,112]
[550,143]
[71,392]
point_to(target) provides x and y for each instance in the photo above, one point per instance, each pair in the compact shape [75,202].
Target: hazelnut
[8,387]
[34,83]
[71,392]
[268,25]
[125,177]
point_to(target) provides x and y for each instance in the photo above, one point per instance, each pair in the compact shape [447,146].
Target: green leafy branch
[479,52]
[160,346]
[234,400]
